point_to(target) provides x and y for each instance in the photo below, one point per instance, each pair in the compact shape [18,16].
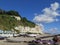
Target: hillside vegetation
[8,21]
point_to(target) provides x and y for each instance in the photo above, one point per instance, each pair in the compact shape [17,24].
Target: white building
[6,33]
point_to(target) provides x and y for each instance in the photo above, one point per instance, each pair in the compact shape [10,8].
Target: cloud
[35,14]
[41,26]
[48,14]
[45,19]
[55,6]
[54,30]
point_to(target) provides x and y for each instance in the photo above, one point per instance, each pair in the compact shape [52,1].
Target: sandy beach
[4,42]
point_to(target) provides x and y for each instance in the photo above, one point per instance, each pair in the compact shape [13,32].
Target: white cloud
[41,26]
[55,6]
[49,14]
[35,14]
[43,18]
[54,30]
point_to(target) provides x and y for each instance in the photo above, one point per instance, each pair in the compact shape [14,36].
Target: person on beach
[55,40]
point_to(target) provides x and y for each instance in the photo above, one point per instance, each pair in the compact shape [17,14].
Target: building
[6,33]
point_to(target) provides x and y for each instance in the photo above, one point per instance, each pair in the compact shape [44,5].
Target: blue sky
[37,11]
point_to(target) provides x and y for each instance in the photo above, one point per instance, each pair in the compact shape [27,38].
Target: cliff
[11,19]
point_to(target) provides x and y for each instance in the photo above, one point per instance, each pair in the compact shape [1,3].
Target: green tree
[12,12]
[2,11]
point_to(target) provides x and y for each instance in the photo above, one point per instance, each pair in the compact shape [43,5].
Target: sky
[45,13]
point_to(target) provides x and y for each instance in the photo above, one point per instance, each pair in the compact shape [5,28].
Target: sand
[4,42]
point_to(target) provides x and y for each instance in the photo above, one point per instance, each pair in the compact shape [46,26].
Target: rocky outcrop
[36,29]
